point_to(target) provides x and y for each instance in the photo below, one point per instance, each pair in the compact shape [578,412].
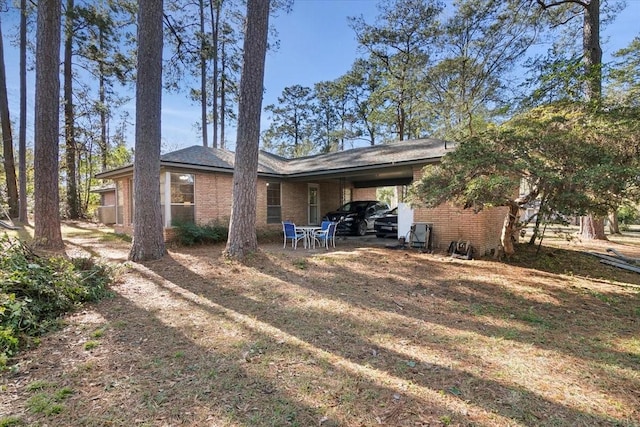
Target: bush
[628,214]
[189,233]
[35,291]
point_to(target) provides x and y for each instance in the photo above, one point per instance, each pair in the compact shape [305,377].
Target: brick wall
[451,223]
[213,197]
[295,200]
[364,194]
[108,198]
[330,196]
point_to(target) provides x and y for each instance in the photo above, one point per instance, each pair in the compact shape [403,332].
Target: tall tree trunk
[203,78]
[509,229]
[22,137]
[592,50]
[148,238]
[216,5]
[47,234]
[614,227]
[242,227]
[104,142]
[592,228]
[223,93]
[73,204]
[7,139]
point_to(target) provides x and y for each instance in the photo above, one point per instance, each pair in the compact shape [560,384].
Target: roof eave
[361,168]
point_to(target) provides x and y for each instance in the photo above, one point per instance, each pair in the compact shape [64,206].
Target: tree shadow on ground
[339,334]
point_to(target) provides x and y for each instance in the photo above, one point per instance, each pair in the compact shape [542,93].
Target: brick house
[106,212]
[196,183]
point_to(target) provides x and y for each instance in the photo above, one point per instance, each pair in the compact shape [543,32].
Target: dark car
[357,217]
[387,225]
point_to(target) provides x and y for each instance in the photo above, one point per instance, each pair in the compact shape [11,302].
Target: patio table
[308,231]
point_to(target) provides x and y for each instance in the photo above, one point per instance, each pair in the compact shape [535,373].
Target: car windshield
[353,206]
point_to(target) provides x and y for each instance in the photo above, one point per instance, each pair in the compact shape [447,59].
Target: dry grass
[358,336]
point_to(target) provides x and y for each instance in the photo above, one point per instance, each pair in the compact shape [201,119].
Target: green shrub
[189,233]
[35,291]
[628,214]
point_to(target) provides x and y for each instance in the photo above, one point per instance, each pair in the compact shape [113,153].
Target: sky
[316,44]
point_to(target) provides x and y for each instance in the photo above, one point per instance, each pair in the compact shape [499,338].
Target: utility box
[420,235]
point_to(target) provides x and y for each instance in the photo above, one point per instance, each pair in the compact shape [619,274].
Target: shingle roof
[396,153]
[415,151]
[217,158]
[378,155]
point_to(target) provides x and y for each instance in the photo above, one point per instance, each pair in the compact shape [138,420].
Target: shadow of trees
[347,334]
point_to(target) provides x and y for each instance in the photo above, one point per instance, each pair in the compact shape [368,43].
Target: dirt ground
[360,335]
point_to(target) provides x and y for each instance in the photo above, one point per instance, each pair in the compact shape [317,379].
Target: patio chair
[290,232]
[323,228]
[326,236]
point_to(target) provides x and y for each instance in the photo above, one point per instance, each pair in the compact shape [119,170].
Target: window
[274,210]
[120,202]
[182,206]
[178,188]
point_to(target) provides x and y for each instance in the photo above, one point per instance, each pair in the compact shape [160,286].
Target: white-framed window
[274,203]
[314,204]
[178,190]
[120,202]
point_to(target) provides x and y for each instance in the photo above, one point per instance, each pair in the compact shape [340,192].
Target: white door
[314,205]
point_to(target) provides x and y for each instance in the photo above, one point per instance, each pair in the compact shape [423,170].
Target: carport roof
[396,154]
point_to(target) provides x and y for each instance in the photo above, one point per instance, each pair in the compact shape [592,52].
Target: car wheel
[361,229]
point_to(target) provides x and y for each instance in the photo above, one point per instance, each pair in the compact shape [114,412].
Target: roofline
[361,168]
[127,170]
[114,173]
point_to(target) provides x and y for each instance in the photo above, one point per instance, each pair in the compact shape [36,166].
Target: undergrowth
[36,290]
[189,233]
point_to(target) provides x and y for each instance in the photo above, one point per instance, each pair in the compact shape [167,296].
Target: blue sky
[316,43]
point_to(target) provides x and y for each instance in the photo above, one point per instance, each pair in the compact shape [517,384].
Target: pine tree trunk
[592,50]
[203,78]
[73,204]
[47,234]
[592,228]
[223,94]
[104,142]
[7,140]
[22,137]
[215,6]
[148,238]
[242,227]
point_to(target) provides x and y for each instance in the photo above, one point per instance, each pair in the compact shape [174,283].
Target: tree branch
[546,6]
